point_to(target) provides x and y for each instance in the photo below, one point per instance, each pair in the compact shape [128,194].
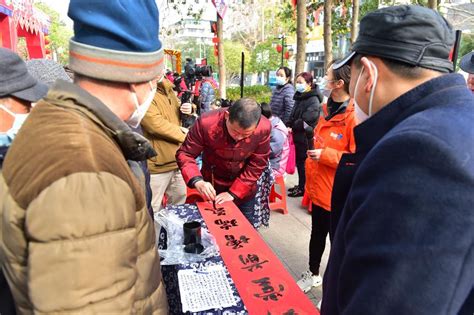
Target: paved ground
[288,236]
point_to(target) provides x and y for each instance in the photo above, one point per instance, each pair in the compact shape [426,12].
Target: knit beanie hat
[46,71]
[115,40]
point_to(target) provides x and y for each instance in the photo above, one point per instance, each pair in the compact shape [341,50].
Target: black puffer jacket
[306,110]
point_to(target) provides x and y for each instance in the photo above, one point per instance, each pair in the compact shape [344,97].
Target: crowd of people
[383,150]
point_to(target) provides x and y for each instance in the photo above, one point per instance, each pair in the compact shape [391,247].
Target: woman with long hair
[333,137]
[305,113]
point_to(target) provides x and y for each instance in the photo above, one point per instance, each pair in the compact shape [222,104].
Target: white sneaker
[308,280]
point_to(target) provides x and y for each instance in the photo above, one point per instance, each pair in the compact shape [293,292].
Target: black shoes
[297,192]
[293,188]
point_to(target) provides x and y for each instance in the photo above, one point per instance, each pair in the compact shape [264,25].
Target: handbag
[291,165]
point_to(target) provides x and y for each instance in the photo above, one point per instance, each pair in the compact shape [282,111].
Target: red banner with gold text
[262,281]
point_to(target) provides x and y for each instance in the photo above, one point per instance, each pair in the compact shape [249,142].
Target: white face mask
[140,109]
[361,116]
[326,92]
[18,121]
[323,86]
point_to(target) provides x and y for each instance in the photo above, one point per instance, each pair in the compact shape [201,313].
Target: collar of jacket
[278,124]
[134,146]
[311,93]
[340,110]
[284,86]
[435,92]
[165,86]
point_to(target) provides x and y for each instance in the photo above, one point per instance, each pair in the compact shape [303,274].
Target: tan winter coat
[161,126]
[76,235]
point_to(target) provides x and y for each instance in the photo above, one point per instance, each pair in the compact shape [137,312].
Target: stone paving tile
[288,236]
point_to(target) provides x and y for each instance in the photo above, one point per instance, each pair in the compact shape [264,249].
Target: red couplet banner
[262,281]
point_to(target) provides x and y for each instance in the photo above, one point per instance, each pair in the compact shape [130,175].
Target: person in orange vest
[333,137]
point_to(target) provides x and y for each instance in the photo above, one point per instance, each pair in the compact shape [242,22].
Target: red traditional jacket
[230,165]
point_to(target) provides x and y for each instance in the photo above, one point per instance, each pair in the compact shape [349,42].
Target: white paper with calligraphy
[206,289]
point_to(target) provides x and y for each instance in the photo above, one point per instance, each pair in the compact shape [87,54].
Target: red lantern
[279,48]
[287,55]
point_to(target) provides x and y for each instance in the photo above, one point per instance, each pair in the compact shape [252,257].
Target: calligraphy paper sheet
[207,289]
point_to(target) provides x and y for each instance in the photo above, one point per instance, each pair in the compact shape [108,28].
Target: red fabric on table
[262,281]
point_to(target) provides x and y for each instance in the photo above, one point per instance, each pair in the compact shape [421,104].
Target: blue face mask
[280,80]
[5,140]
[7,137]
[300,87]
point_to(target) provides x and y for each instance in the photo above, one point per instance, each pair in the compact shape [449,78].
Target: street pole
[456,48]
[220,58]
[282,48]
[242,74]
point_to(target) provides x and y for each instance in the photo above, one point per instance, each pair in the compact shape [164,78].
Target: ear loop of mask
[372,91]
[357,83]
[137,103]
[8,111]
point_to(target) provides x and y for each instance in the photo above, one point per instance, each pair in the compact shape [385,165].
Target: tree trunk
[355,21]
[220,59]
[433,4]
[300,36]
[327,33]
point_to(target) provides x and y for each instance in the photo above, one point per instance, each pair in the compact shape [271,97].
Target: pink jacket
[280,147]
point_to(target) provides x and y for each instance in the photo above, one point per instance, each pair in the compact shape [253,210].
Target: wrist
[232,195]
[193,181]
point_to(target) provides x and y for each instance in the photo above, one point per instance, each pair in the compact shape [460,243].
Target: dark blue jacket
[3,153]
[282,101]
[403,208]
[7,304]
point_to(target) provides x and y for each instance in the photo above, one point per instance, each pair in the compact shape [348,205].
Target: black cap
[15,79]
[467,63]
[410,34]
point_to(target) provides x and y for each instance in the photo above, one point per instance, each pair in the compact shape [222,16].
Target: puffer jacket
[233,166]
[207,95]
[279,145]
[76,234]
[282,101]
[336,137]
[161,126]
[306,111]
